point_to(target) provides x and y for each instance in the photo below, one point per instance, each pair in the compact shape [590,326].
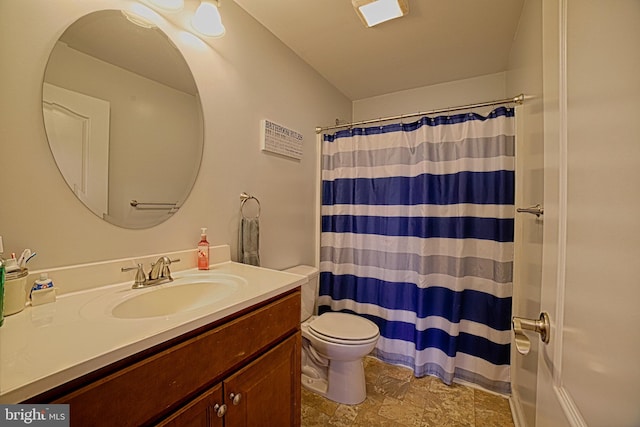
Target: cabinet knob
[220,410]
[235,398]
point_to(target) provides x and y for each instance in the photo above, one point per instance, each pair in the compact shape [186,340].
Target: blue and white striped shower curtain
[417,236]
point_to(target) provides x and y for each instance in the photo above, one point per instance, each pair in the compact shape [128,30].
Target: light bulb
[207,20]
[142,16]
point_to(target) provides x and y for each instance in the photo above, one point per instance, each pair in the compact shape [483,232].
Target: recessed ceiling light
[374,12]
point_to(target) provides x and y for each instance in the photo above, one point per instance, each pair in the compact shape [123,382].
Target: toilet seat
[344,328]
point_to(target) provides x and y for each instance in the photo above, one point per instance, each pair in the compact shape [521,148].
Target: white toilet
[333,346]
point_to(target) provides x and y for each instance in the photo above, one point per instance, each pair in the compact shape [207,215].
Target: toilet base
[346,383]
[315,385]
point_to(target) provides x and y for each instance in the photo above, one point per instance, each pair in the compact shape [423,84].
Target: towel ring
[244,197]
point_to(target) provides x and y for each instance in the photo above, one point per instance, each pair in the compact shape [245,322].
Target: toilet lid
[344,326]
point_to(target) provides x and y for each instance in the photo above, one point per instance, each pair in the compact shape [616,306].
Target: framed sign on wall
[278,139]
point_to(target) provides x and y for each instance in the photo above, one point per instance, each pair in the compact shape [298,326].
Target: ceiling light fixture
[142,16]
[374,12]
[207,21]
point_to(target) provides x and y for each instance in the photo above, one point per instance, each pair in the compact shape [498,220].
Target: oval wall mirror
[123,119]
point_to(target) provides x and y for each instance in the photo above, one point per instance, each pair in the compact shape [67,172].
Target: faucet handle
[165,270]
[165,260]
[140,276]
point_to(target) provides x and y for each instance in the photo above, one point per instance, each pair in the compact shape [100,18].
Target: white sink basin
[184,294]
[171,300]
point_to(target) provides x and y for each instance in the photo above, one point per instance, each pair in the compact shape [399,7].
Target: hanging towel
[248,241]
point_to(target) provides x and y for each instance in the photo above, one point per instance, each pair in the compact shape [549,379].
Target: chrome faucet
[159,273]
[160,269]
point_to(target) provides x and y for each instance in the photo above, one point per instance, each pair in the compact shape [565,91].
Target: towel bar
[154,205]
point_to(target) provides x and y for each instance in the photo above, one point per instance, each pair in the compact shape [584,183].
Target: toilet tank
[309,289]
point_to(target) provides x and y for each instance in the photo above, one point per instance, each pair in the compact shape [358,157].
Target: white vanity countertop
[48,345]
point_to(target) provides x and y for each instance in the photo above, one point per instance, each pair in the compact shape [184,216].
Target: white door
[77,127]
[589,374]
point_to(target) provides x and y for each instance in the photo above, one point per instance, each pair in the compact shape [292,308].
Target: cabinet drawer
[157,385]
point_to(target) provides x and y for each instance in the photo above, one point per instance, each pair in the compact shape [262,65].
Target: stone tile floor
[395,398]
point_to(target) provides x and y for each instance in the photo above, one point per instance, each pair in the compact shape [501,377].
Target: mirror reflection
[123,119]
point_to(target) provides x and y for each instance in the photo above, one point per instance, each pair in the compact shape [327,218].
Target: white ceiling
[438,41]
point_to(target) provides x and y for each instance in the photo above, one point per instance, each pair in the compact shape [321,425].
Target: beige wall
[246,76]
[450,94]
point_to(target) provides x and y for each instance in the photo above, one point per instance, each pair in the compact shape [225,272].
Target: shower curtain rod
[518,100]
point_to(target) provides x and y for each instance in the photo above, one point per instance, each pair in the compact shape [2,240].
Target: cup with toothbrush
[15,290]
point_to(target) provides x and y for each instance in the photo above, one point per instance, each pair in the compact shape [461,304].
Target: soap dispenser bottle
[203,251]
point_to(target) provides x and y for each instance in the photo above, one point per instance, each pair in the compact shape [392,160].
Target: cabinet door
[268,389]
[200,412]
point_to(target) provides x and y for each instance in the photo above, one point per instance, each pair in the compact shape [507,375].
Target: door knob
[541,326]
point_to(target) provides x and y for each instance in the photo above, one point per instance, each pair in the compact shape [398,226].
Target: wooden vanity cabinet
[254,358]
[261,394]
